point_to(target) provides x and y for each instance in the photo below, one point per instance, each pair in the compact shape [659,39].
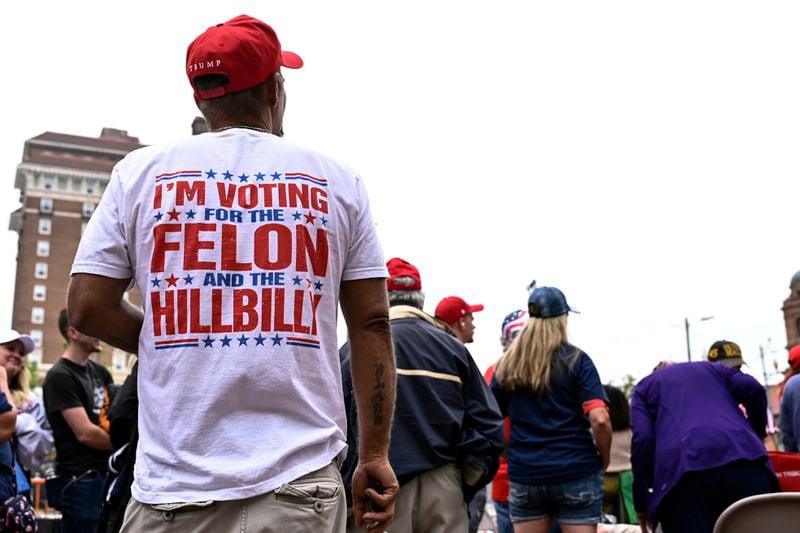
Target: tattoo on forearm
[378,395]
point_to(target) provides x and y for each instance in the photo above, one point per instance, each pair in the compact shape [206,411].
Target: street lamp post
[688,344]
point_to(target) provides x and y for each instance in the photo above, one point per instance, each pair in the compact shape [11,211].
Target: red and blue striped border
[177,343]
[307,343]
[180,174]
[293,176]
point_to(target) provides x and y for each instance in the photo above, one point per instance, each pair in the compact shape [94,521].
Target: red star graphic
[310,218]
[173,215]
[172,281]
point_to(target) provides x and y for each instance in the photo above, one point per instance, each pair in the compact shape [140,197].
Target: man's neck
[79,357]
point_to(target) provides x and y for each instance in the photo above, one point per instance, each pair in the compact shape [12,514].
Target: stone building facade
[791,312]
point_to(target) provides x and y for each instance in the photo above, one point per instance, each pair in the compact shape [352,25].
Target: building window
[37,315]
[44,226]
[46,205]
[47,182]
[40,272]
[88,209]
[91,187]
[43,248]
[38,336]
[39,293]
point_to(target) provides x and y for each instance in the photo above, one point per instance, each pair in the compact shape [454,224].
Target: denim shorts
[574,502]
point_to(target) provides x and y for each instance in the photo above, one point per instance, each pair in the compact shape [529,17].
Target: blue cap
[548,302]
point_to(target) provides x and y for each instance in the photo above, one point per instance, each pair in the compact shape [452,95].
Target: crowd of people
[245,412]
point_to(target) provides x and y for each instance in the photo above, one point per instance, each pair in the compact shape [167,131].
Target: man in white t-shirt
[242,245]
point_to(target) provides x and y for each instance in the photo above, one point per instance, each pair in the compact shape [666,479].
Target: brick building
[791,312]
[61,179]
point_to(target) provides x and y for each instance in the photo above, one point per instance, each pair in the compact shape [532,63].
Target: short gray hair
[412,298]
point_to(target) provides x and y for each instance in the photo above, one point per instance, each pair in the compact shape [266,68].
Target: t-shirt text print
[239,258]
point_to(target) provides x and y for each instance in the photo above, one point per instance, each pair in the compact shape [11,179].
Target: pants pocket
[309,491]
[180,506]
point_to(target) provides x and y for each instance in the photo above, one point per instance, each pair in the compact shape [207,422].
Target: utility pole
[763,366]
[688,345]
[770,421]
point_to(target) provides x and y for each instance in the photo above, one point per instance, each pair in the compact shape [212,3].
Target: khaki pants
[314,502]
[432,502]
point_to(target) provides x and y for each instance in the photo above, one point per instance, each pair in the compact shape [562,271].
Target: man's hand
[644,522]
[375,489]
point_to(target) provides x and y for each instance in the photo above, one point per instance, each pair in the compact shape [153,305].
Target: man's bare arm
[96,307]
[85,431]
[365,307]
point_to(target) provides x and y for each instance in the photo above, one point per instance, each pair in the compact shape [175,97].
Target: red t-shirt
[500,481]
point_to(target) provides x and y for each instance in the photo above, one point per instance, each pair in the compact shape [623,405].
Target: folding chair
[778,511]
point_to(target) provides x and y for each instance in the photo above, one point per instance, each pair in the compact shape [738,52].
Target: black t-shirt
[70,385]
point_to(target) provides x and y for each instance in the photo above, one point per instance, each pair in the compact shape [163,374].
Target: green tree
[33,368]
[628,383]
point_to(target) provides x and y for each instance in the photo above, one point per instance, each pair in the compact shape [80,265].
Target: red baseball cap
[452,308]
[400,268]
[794,357]
[243,49]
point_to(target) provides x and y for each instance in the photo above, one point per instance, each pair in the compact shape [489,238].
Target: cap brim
[475,308]
[291,60]
[27,341]
[732,361]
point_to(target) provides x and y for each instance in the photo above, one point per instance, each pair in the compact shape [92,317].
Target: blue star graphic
[188,279]
[296,280]
[260,340]
[297,215]
[318,286]
[190,214]
[276,340]
[276,176]
[210,174]
[243,177]
[226,341]
[242,340]
[208,341]
[324,221]
[260,176]
[159,216]
[156,282]
[228,175]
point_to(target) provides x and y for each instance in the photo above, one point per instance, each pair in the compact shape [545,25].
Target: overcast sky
[641,156]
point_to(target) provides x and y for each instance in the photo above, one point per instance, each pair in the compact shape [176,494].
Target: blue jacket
[444,410]
[686,418]
[8,477]
[790,415]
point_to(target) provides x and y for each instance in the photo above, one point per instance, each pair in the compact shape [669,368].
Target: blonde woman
[560,427]
[33,438]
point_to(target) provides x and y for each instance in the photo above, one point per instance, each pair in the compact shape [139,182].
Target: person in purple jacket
[693,451]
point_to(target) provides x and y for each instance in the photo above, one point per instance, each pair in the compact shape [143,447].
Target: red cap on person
[244,49]
[794,357]
[453,308]
[403,276]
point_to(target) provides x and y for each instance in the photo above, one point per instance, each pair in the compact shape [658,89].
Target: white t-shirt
[238,242]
